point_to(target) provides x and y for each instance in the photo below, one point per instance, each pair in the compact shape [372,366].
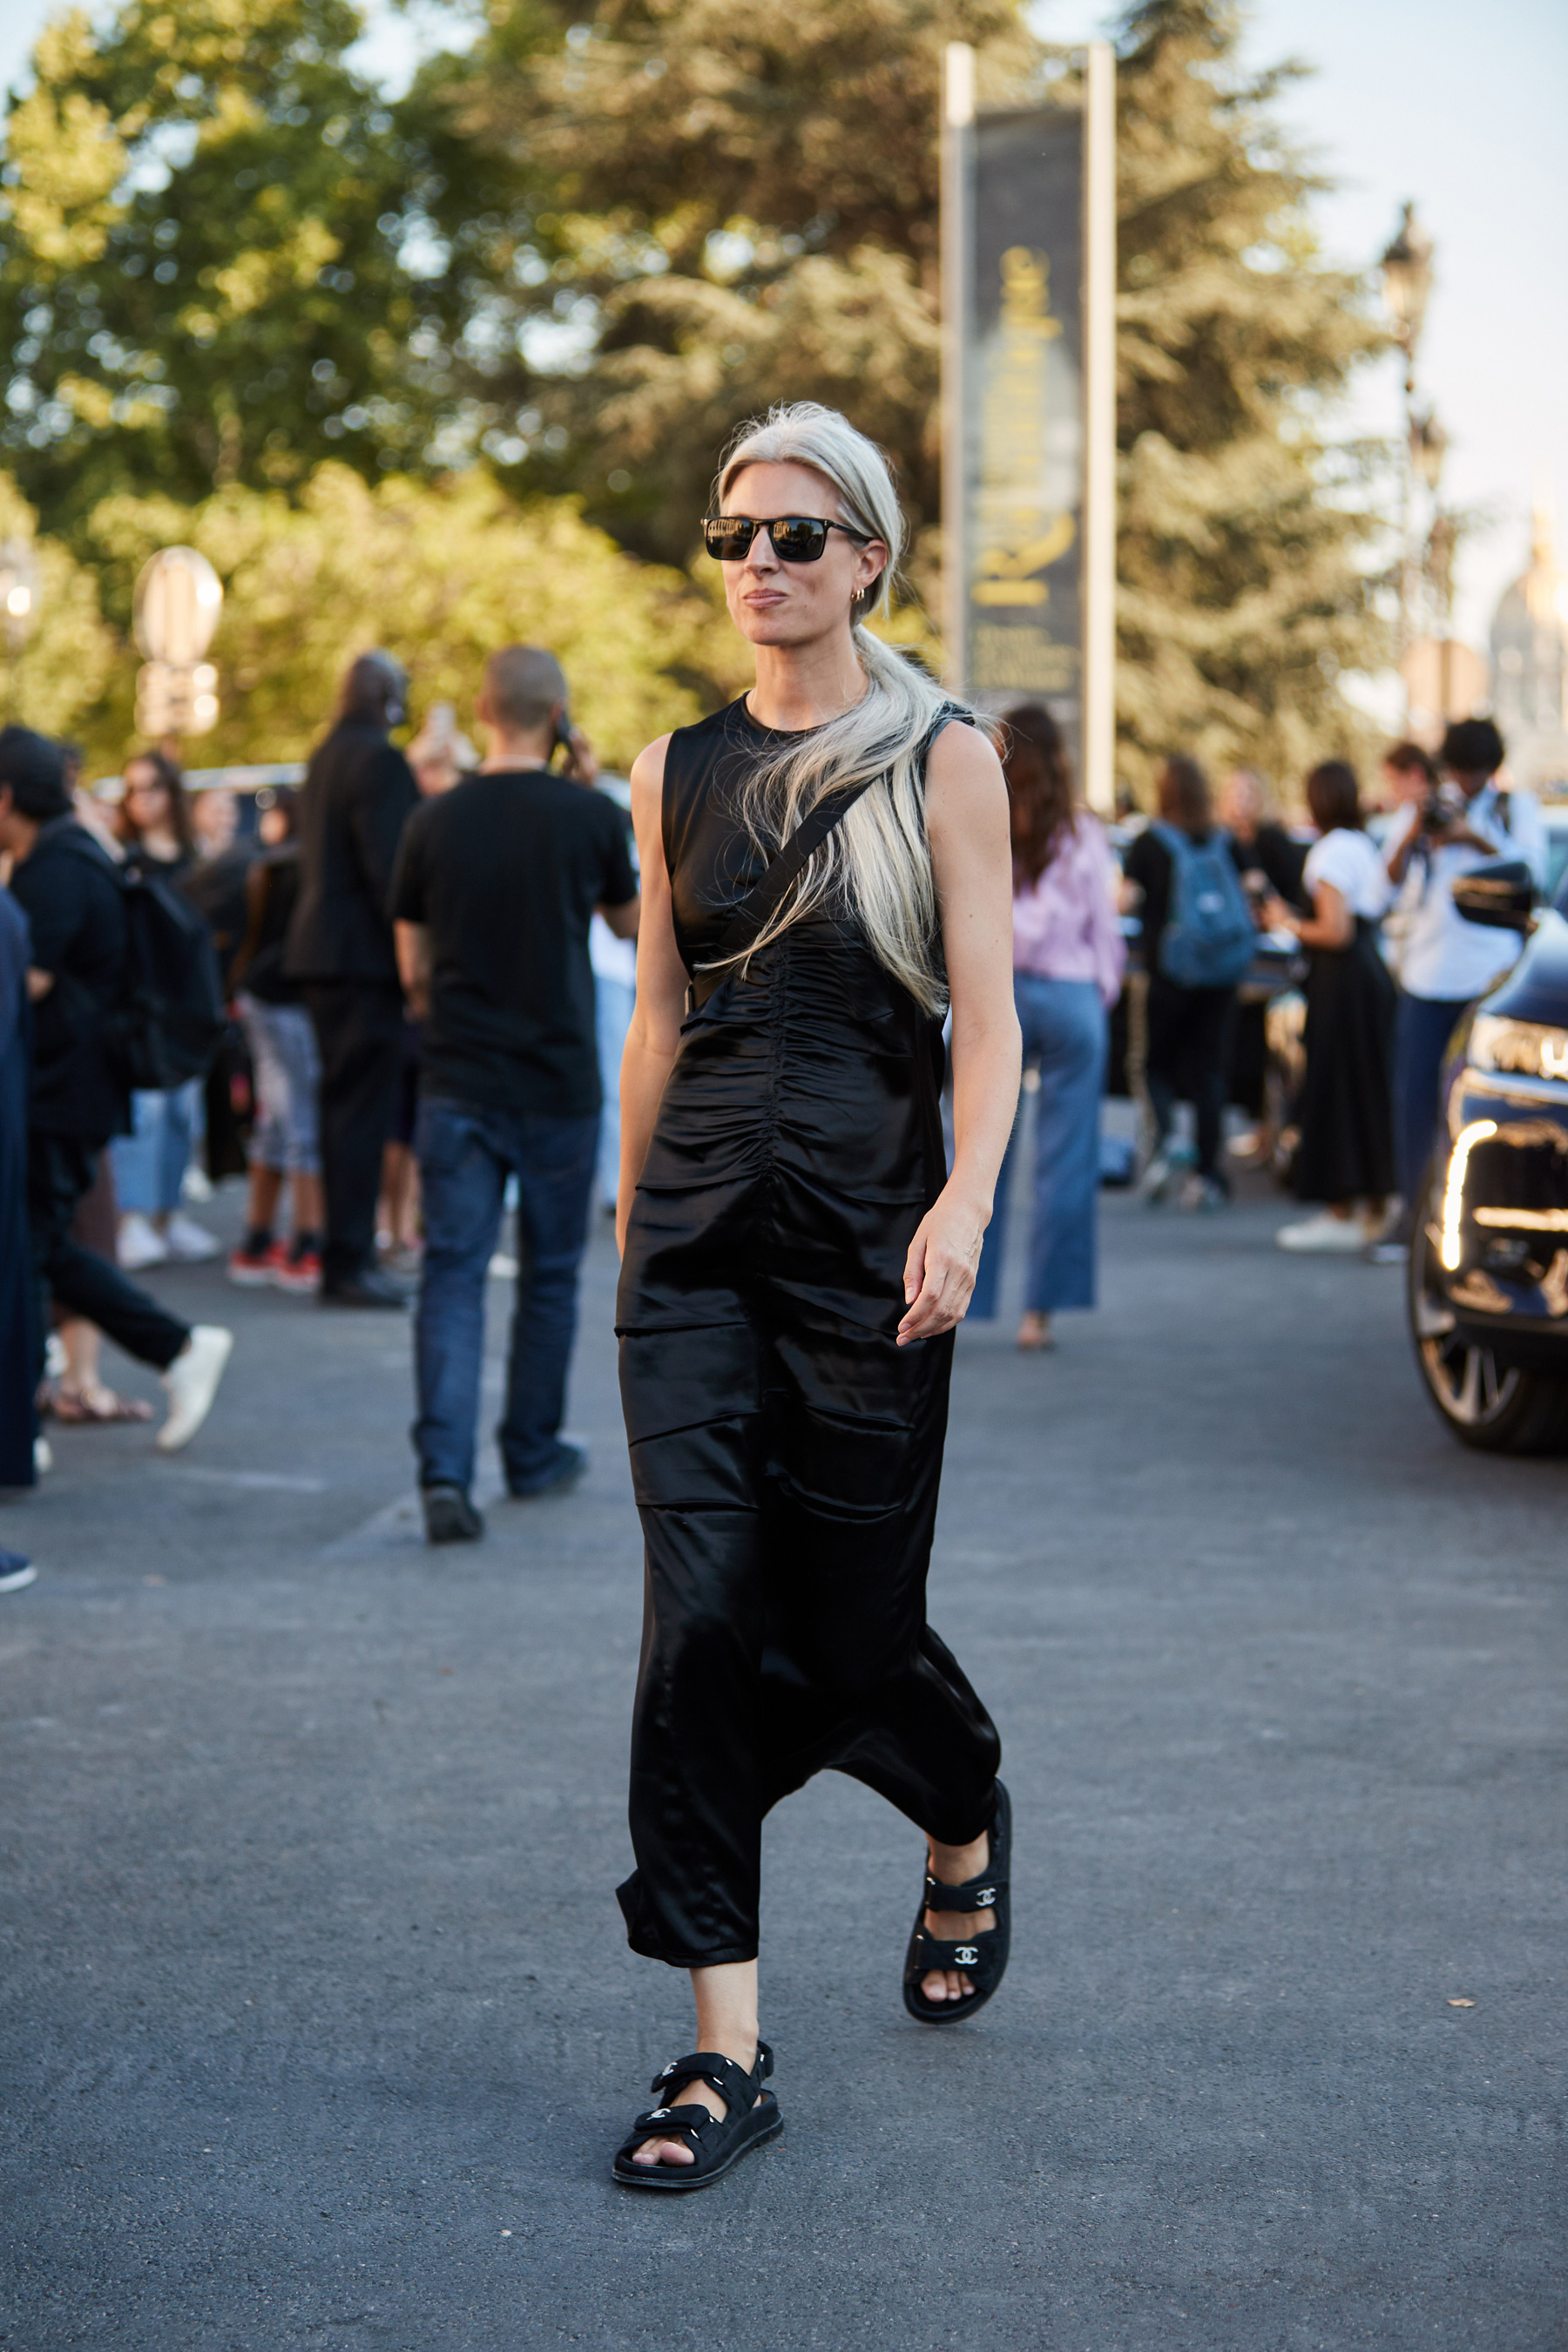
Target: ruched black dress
[785,1453]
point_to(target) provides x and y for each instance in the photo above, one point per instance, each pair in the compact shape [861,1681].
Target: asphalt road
[319,2027]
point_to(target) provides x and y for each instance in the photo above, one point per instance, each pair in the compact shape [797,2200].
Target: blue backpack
[1209,935]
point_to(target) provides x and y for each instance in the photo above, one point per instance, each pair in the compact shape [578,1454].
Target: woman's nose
[762,555]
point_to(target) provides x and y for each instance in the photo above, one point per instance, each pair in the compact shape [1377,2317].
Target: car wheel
[1498,1408]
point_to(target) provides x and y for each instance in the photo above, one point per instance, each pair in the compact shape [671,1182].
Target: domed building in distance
[1530,670]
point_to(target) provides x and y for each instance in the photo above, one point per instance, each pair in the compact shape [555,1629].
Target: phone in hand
[561,739]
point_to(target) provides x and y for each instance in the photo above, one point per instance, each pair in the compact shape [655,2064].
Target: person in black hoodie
[358,794]
[69,890]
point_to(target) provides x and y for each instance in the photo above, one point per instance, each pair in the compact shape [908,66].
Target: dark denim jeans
[464,1157]
[1423,1027]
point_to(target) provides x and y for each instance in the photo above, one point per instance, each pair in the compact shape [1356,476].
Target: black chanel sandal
[985,1960]
[716,2141]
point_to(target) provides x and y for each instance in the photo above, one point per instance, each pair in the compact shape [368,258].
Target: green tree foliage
[56,670]
[738,208]
[1243,582]
[742,209]
[216,258]
[441,574]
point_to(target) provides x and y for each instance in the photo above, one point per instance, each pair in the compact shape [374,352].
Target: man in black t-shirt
[496,885]
[67,888]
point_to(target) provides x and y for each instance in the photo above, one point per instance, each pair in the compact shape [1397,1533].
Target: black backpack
[169,1019]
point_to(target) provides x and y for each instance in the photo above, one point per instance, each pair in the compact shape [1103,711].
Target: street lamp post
[1407,268]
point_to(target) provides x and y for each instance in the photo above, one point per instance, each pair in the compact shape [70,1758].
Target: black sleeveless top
[814,1060]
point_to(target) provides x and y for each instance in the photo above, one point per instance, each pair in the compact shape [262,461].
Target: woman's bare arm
[971,860]
[654,1037]
[1329,925]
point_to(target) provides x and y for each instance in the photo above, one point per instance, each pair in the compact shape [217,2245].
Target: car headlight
[1524,1049]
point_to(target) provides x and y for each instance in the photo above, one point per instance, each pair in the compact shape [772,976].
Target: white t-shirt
[611,958]
[1350,864]
[1444,956]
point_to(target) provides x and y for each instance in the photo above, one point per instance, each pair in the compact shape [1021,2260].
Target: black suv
[1489,1259]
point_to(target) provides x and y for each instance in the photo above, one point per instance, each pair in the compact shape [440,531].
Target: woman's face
[777,603]
[215,816]
[272,827]
[146,800]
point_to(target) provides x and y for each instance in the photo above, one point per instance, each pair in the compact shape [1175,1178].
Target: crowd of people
[1390,967]
[404,945]
[430,958]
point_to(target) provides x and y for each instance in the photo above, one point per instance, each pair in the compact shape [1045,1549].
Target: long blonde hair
[875,863]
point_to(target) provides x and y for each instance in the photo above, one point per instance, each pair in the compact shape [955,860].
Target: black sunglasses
[797,539]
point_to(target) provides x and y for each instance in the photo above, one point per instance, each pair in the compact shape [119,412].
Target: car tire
[1495,1407]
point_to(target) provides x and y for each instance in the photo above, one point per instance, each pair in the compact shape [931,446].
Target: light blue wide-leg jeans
[1065,1036]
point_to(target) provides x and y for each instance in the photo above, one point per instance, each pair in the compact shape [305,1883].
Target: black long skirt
[1346,1113]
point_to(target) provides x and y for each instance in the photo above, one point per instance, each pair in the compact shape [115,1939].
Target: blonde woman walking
[825,865]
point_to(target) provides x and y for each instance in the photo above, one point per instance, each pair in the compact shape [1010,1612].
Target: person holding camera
[1445,963]
[496,885]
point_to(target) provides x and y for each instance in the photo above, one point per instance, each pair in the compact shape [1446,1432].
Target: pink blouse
[1065,926]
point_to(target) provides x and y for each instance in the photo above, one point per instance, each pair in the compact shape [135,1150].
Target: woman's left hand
[939,1272]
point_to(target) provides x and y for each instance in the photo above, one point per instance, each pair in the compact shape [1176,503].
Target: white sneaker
[140,1243]
[16,1579]
[189,1242]
[196,1185]
[1325,1232]
[192,1381]
[42,1457]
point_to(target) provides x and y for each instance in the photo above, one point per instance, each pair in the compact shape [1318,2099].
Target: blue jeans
[1422,1026]
[464,1157]
[1065,1034]
[150,1163]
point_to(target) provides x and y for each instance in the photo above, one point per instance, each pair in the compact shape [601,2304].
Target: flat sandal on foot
[984,1959]
[716,2141]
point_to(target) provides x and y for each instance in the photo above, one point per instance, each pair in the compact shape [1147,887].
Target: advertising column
[1015,456]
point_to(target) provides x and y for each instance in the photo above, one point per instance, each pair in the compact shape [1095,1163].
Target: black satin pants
[786,1455]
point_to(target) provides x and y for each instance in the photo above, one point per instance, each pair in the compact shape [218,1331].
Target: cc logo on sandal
[966,1955]
[985,1898]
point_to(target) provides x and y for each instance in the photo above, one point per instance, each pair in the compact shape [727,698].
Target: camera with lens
[1444,805]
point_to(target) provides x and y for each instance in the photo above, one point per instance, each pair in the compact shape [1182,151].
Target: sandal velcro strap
[734,2085]
[665,2122]
[974,1894]
[928,1952]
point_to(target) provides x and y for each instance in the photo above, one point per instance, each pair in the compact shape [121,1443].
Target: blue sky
[1464,109]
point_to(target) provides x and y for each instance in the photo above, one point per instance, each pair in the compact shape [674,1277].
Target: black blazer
[358,794]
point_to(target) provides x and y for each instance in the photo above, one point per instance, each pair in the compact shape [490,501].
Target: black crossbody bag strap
[762,901]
